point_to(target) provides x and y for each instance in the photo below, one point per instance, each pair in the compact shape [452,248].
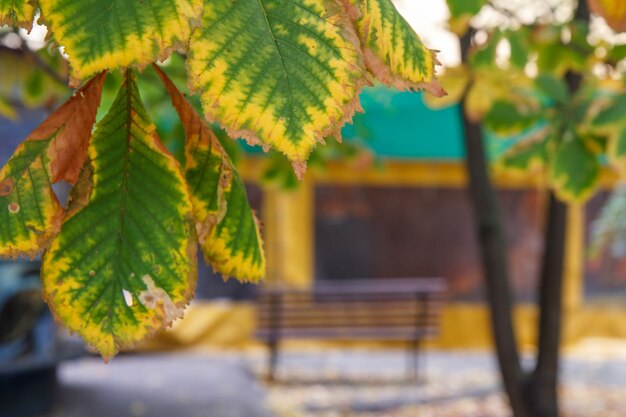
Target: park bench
[402,309]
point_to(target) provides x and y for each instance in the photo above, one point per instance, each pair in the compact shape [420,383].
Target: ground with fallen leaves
[357,383]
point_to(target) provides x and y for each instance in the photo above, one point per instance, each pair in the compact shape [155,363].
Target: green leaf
[34,88]
[282,74]
[393,52]
[529,155]
[485,55]
[616,53]
[506,118]
[17,13]
[7,110]
[553,87]
[614,113]
[228,230]
[461,12]
[55,151]
[109,34]
[124,264]
[557,58]
[26,83]
[574,170]
[617,151]
[518,41]
[491,86]
[459,8]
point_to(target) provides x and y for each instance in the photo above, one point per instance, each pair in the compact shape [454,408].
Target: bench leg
[413,364]
[273,360]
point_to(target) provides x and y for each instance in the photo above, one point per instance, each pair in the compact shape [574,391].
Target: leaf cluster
[513,81]
[119,258]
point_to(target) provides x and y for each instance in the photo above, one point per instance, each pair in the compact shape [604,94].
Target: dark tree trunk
[543,382]
[533,395]
[492,243]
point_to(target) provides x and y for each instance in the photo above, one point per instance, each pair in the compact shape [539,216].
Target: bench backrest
[383,309]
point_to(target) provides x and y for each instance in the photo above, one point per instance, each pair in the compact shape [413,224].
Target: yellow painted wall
[463,326]
[288,233]
[289,217]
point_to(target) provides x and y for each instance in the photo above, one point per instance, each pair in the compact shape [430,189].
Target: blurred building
[408,214]
[400,211]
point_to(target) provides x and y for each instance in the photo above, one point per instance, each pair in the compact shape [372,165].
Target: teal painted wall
[399,125]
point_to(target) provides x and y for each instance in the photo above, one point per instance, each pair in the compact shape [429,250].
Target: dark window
[385,232]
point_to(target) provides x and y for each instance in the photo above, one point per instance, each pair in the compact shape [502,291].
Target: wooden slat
[389,309]
[368,286]
[286,324]
[317,311]
[337,314]
[376,333]
[356,308]
[337,304]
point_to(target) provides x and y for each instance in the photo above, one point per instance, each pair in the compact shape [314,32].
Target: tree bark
[492,244]
[535,394]
[543,382]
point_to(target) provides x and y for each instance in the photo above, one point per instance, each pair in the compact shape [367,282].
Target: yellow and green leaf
[455,81]
[109,34]
[124,264]
[481,95]
[488,87]
[529,155]
[574,169]
[7,110]
[610,115]
[617,151]
[282,74]
[608,122]
[26,84]
[554,88]
[228,230]
[29,211]
[17,13]
[506,118]
[393,52]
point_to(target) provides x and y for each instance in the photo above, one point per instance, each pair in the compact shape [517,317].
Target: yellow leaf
[393,52]
[282,74]
[17,13]
[109,34]
[613,11]
[455,81]
[124,264]
[228,230]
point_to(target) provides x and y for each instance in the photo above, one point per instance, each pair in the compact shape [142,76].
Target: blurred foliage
[608,233]
[513,81]
[461,12]
[32,79]
[614,11]
[40,81]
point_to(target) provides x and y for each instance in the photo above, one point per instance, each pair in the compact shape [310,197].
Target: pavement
[374,384]
[172,385]
[325,383]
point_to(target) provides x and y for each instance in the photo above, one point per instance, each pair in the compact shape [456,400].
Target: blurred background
[382,222]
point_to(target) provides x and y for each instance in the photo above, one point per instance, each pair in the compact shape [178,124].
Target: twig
[41,64]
